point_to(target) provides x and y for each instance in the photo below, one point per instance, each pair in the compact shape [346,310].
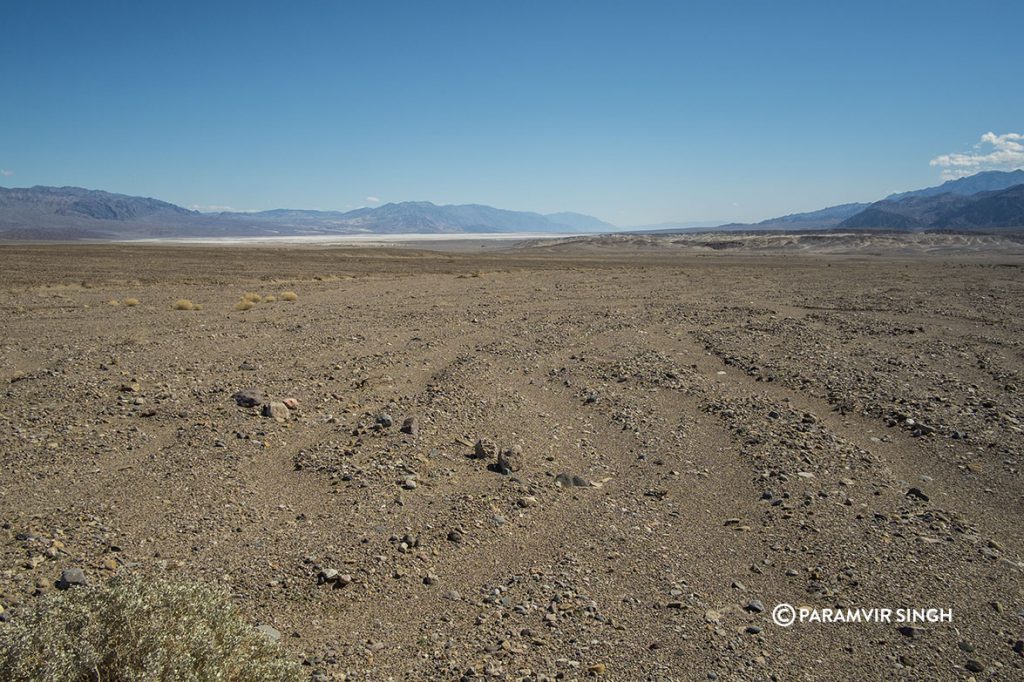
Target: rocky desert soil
[532,464]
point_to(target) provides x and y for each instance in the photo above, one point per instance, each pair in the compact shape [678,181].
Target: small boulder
[510,460]
[411,426]
[485,448]
[571,480]
[250,397]
[331,576]
[918,494]
[269,632]
[71,577]
[276,410]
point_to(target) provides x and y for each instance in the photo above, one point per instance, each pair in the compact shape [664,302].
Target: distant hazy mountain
[75,213]
[674,226]
[823,218]
[579,222]
[60,203]
[423,217]
[986,181]
[983,210]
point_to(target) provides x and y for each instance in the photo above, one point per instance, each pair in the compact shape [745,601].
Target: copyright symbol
[784,615]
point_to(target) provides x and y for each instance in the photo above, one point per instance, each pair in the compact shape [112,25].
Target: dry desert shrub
[289,296]
[184,304]
[269,298]
[244,305]
[113,302]
[251,297]
[138,630]
[131,302]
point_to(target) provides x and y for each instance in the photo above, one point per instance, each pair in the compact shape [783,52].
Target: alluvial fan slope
[701,438]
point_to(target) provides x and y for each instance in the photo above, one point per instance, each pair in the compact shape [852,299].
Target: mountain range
[69,213]
[946,211]
[987,200]
[964,204]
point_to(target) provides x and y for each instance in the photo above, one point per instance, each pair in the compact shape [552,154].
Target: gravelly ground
[750,428]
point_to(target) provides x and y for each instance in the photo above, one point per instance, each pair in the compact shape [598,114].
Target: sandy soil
[748,430]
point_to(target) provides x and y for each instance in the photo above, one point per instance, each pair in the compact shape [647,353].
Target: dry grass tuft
[269,298]
[185,304]
[244,305]
[114,302]
[139,630]
[289,296]
[131,302]
[252,297]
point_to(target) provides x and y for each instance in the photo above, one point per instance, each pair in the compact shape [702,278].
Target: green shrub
[138,631]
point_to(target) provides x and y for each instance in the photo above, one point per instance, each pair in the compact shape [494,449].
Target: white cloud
[373,200]
[6,173]
[993,152]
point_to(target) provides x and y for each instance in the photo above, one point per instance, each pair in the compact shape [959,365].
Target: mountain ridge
[72,213]
[922,209]
[985,181]
[64,213]
[945,211]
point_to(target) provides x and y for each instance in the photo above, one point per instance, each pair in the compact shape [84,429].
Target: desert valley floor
[691,439]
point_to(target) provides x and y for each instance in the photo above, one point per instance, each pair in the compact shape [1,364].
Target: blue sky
[636,112]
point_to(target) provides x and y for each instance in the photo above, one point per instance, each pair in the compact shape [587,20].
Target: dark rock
[918,494]
[570,480]
[384,419]
[250,397]
[485,448]
[411,426]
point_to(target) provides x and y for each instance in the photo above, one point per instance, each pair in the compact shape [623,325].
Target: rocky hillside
[985,210]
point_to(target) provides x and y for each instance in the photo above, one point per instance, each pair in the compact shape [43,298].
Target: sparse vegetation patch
[138,630]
